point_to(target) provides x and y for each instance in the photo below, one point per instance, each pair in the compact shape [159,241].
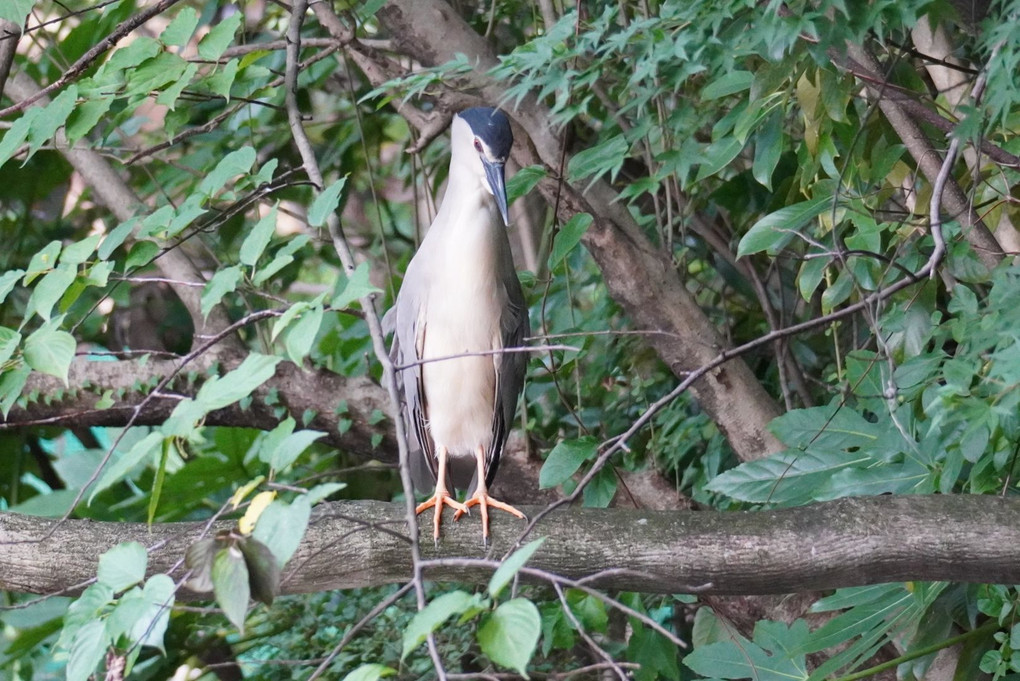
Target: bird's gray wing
[510,370]
[406,318]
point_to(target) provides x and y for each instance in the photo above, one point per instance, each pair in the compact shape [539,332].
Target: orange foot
[484,501]
[438,499]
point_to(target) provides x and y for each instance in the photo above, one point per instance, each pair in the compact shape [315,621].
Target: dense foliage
[747,143]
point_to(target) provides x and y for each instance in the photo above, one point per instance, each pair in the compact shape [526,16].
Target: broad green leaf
[370,672]
[180,30]
[85,117]
[292,447]
[8,280]
[230,584]
[523,181]
[158,594]
[608,156]
[237,162]
[429,618]
[80,251]
[16,11]
[223,282]
[768,147]
[320,492]
[198,558]
[325,203]
[789,477]
[263,570]
[50,351]
[50,119]
[12,382]
[568,236]
[15,136]
[729,83]
[357,286]
[156,222]
[302,335]
[601,489]
[775,230]
[718,155]
[288,316]
[282,526]
[122,566]
[508,568]
[185,214]
[141,254]
[169,96]
[88,649]
[509,635]
[220,81]
[222,391]
[283,257]
[118,469]
[565,459]
[218,39]
[831,427]
[49,290]
[258,238]
[165,67]
[9,340]
[43,261]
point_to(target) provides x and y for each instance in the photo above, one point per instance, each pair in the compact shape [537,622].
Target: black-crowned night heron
[461,300]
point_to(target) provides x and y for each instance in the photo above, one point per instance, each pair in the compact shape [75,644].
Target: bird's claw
[438,499]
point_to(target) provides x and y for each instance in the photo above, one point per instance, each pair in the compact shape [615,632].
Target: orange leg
[441,496]
[482,499]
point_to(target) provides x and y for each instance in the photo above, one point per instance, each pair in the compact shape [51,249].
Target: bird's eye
[478,146]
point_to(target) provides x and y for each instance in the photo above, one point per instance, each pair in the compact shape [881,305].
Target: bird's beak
[497,183]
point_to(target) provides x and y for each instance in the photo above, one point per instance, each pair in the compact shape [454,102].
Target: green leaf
[292,447]
[523,181]
[220,82]
[218,39]
[88,649]
[199,559]
[230,584]
[237,162]
[50,351]
[11,384]
[8,280]
[158,595]
[568,236]
[718,155]
[356,287]
[85,117]
[263,570]
[222,391]
[141,254]
[258,238]
[834,427]
[223,282]
[730,83]
[17,134]
[325,203]
[282,526]
[302,335]
[80,251]
[49,290]
[283,257]
[790,477]
[509,567]
[607,156]
[370,672]
[16,11]
[509,635]
[180,30]
[141,450]
[565,459]
[43,261]
[775,230]
[9,340]
[122,566]
[429,618]
[50,119]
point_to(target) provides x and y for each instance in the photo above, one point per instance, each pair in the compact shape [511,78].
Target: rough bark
[639,276]
[292,391]
[841,543]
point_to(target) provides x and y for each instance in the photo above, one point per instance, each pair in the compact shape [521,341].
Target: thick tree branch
[343,408]
[849,542]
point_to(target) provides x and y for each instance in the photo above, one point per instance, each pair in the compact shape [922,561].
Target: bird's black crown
[492,127]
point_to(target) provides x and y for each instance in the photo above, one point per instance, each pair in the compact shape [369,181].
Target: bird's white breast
[464,319]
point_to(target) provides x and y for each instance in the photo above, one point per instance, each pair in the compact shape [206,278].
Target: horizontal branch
[848,542]
[344,408]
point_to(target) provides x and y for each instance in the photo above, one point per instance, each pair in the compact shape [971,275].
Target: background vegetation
[205,206]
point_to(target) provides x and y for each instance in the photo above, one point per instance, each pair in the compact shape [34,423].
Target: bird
[459,306]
